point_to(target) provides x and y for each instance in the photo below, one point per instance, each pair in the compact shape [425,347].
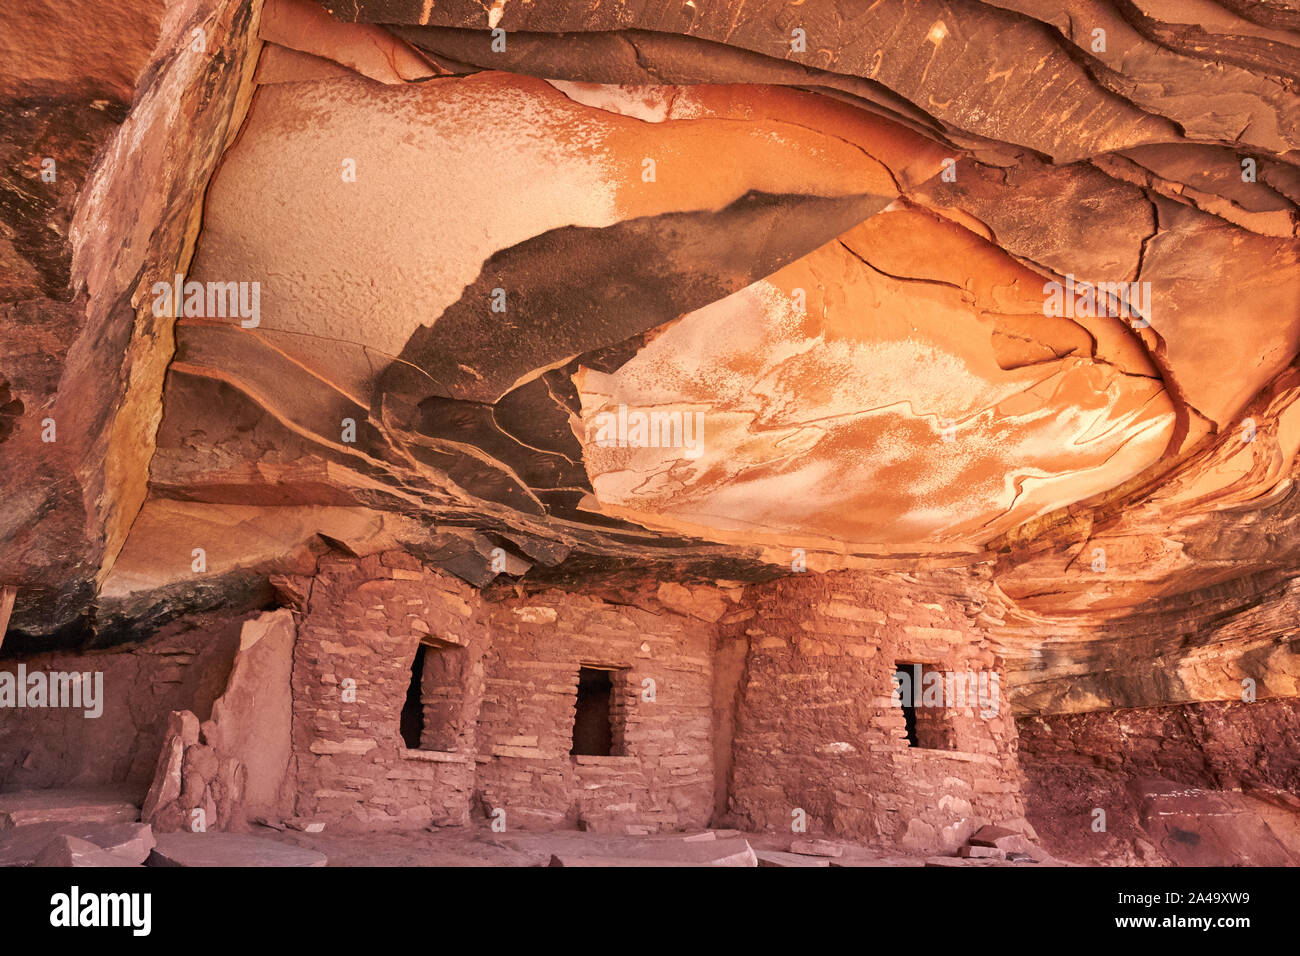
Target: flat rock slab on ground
[129,842]
[23,808]
[477,846]
[853,862]
[65,851]
[778,858]
[998,837]
[729,852]
[704,836]
[969,862]
[816,848]
[1008,841]
[228,849]
[568,859]
[982,852]
[989,861]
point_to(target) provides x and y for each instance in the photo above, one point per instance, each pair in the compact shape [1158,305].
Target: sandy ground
[481,847]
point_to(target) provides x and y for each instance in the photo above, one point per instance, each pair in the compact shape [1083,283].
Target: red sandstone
[369,577]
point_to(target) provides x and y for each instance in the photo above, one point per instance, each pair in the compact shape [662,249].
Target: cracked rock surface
[651,289]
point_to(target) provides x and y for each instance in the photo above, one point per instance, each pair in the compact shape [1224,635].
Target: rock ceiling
[653,288]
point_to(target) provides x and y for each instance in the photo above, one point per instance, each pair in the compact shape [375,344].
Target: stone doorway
[433,712]
[597,730]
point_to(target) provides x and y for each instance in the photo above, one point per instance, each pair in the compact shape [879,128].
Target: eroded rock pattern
[110,136]
[997,299]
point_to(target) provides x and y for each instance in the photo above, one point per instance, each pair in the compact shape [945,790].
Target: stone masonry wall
[498,701]
[352,669]
[815,728]
[663,779]
[803,706]
[183,667]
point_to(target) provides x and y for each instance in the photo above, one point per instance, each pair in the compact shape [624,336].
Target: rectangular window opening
[412,720]
[928,721]
[597,718]
[433,714]
[906,679]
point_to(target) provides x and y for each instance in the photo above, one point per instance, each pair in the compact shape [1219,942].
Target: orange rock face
[657,304]
[852,401]
[591,305]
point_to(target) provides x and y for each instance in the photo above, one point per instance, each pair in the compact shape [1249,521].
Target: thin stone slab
[700,836]
[778,858]
[571,860]
[970,862]
[69,851]
[31,807]
[1008,841]
[730,852]
[228,849]
[887,860]
[981,852]
[998,837]
[129,842]
[816,848]
[950,861]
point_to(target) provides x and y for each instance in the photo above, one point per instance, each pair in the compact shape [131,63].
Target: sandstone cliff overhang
[1007,294]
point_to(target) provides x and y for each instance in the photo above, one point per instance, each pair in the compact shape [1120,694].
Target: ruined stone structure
[816,726]
[775,422]
[739,705]
[498,716]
